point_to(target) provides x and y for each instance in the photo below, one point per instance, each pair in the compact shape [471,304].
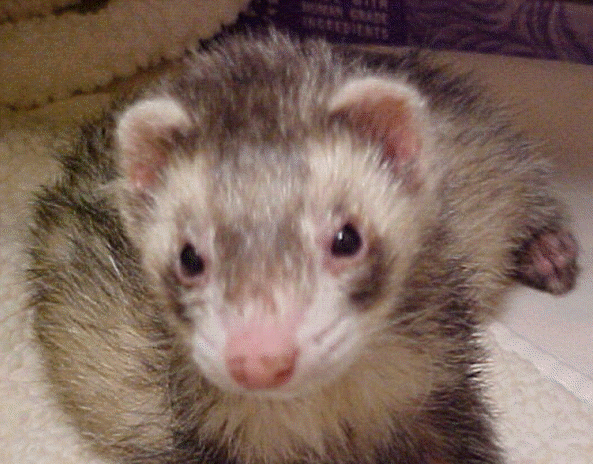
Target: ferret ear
[385,111]
[145,137]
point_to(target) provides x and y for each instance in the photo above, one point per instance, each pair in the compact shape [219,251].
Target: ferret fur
[257,155]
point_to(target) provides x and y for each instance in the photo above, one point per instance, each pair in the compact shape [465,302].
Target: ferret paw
[548,262]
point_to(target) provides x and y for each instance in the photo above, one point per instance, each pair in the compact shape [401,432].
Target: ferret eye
[192,264]
[346,242]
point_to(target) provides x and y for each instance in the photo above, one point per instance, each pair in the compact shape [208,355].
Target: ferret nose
[261,360]
[261,371]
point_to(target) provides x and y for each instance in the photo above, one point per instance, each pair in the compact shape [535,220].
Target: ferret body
[282,255]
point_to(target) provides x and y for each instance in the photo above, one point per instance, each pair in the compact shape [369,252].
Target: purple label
[347,21]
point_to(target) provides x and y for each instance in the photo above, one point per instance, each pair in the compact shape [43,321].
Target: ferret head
[280,254]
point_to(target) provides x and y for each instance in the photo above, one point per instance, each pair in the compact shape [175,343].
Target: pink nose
[259,371]
[261,357]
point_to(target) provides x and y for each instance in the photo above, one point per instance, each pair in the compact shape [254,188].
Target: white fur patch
[150,116]
[140,134]
[370,88]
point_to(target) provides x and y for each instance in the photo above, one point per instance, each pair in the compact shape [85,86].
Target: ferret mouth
[297,388]
[304,382]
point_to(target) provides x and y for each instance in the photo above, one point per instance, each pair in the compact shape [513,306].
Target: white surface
[538,421]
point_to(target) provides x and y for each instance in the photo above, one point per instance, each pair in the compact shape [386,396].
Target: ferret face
[276,274]
[280,263]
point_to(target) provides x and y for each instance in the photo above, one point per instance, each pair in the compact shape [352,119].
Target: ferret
[284,254]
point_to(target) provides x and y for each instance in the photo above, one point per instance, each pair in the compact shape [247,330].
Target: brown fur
[267,145]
